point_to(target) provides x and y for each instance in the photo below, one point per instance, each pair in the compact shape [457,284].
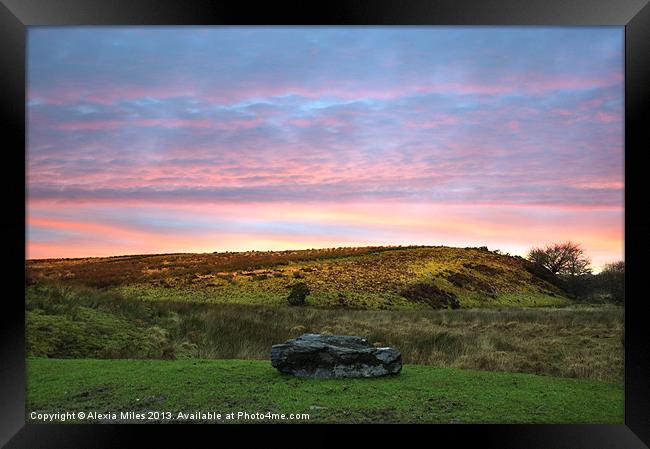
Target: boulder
[334,356]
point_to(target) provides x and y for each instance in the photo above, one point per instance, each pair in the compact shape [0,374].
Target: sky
[199,139]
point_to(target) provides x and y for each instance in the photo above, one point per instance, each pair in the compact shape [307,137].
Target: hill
[420,394]
[363,278]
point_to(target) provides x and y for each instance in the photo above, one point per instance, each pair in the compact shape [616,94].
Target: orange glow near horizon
[512,229]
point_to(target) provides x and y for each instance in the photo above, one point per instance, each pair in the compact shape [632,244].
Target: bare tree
[565,258]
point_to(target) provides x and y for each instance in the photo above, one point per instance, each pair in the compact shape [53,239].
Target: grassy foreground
[420,394]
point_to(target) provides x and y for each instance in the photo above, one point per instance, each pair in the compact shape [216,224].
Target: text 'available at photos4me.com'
[164,416]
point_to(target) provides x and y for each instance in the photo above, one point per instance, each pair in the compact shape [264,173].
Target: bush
[544,273]
[298,294]
[612,280]
[583,287]
[431,295]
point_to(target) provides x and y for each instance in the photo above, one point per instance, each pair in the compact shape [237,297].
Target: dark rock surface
[333,356]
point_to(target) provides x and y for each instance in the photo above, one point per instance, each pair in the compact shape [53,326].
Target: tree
[612,280]
[298,293]
[566,259]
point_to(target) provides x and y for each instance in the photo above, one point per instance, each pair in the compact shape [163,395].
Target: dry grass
[580,342]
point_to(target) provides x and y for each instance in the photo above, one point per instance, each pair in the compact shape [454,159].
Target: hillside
[365,278]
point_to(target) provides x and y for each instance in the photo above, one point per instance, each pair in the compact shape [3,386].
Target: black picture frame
[634,15]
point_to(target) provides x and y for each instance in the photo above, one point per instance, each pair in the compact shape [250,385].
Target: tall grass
[580,342]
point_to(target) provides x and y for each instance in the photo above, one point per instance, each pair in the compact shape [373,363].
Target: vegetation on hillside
[356,278]
[163,269]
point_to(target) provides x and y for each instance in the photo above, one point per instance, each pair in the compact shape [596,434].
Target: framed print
[426,215]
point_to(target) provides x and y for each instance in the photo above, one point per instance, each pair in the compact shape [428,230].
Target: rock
[334,356]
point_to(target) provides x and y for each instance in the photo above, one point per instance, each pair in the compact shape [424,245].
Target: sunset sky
[191,139]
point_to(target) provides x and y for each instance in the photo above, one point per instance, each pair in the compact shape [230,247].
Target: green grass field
[420,394]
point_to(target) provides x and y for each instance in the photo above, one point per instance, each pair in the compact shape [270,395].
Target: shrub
[612,280]
[169,352]
[432,295]
[298,293]
[543,273]
[581,287]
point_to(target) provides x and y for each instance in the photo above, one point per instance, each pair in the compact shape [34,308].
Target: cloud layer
[173,125]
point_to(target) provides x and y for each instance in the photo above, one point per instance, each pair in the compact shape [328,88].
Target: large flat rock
[334,356]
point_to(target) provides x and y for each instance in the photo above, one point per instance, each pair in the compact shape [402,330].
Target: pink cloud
[91,125]
[512,125]
[231,125]
[563,112]
[436,122]
[112,124]
[607,117]
[316,121]
[105,93]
